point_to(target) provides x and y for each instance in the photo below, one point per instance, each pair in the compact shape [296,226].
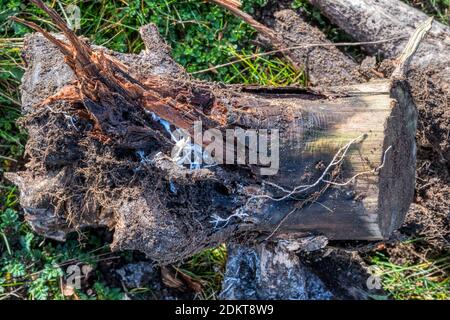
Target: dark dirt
[343,271]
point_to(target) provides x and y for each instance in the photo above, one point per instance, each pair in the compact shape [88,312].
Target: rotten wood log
[272,269]
[99,150]
[367,20]
[324,65]
[430,87]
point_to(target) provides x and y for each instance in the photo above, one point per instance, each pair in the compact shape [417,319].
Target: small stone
[138,275]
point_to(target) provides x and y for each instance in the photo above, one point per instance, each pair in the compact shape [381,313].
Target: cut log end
[367,195]
[397,177]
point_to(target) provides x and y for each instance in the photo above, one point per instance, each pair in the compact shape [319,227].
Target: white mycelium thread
[185,151]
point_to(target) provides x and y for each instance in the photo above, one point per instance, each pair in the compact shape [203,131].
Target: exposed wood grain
[313,130]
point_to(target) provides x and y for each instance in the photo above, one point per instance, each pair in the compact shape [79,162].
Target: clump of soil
[118,177]
[430,213]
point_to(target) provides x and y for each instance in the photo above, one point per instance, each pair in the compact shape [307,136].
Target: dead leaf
[170,280]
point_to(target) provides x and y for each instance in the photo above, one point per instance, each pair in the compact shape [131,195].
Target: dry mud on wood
[270,271]
[344,272]
[296,268]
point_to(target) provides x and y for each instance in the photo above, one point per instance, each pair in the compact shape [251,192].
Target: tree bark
[324,65]
[370,20]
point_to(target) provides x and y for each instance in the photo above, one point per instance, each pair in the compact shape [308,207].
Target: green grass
[207,269]
[201,36]
[426,280]
[438,8]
